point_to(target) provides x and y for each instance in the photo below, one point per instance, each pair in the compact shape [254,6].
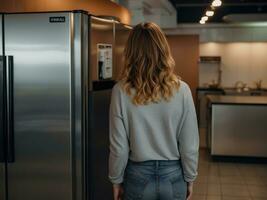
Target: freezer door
[41,48]
[2,138]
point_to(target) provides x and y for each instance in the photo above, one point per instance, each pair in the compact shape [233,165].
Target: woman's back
[153,130]
[152,121]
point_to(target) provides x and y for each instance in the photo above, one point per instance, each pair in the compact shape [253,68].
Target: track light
[202,22]
[216,3]
[209,13]
[205,18]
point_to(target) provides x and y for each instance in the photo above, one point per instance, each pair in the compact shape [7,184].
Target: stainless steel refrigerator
[53,106]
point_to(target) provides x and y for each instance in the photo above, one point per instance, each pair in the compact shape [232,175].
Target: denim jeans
[154,180]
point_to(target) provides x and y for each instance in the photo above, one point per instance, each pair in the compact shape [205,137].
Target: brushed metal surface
[99,144]
[223,99]
[80,101]
[121,35]
[1,34]
[2,131]
[239,130]
[2,165]
[101,31]
[42,106]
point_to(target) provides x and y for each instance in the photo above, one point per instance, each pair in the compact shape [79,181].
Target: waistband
[155,162]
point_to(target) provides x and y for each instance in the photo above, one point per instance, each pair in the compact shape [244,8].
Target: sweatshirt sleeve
[188,139]
[119,146]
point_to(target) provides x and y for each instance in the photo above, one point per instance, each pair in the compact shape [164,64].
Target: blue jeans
[154,180]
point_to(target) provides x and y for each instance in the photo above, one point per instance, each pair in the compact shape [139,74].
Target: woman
[153,127]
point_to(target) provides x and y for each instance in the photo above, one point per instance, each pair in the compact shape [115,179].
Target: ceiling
[190,11]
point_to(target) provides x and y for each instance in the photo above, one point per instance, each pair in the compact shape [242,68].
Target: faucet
[258,84]
[239,86]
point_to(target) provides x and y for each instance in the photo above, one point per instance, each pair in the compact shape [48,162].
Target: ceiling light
[202,22]
[216,3]
[205,18]
[209,13]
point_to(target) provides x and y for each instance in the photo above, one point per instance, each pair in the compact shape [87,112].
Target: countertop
[229,88]
[209,89]
[250,100]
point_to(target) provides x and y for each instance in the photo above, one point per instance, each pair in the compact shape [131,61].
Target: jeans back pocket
[179,186]
[134,185]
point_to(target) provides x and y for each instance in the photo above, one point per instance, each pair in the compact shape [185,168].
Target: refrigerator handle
[10,111]
[2,108]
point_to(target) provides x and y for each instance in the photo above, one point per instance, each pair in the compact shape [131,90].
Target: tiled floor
[230,181]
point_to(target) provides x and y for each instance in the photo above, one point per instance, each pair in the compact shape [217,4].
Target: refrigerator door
[79,114]
[101,35]
[2,132]
[99,100]
[121,35]
[42,167]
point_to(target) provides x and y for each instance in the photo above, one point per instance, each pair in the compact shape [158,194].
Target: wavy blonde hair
[149,66]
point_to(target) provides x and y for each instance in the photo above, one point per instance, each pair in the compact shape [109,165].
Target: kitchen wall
[185,51]
[241,61]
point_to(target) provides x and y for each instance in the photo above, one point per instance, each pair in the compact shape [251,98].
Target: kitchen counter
[235,91]
[237,125]
[209,89]
[251,100]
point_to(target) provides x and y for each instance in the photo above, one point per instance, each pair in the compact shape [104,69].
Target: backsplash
[246,62]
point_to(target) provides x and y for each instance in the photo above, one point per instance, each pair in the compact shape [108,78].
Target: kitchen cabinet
[201,106]
[237,125]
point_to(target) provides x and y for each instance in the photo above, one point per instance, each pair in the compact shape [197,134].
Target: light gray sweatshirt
[157,131]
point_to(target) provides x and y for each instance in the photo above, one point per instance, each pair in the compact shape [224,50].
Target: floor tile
[232,180]
[213,169]
[255,180]
[248,169]
[200,189]
[203,169]
[199,197]
[263,180]
[229,181]
[214,197]
[236,198]
[214,179]
[262,171]
[201,179]
[235,190]
[228,169]
[258,191]
[214,189]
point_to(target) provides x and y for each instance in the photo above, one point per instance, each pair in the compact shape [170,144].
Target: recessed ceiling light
[209,13]
[205,18]
[216,3]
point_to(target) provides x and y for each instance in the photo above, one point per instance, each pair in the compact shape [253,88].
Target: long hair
[149,66]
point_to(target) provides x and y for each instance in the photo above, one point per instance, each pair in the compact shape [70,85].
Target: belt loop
[157,164]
